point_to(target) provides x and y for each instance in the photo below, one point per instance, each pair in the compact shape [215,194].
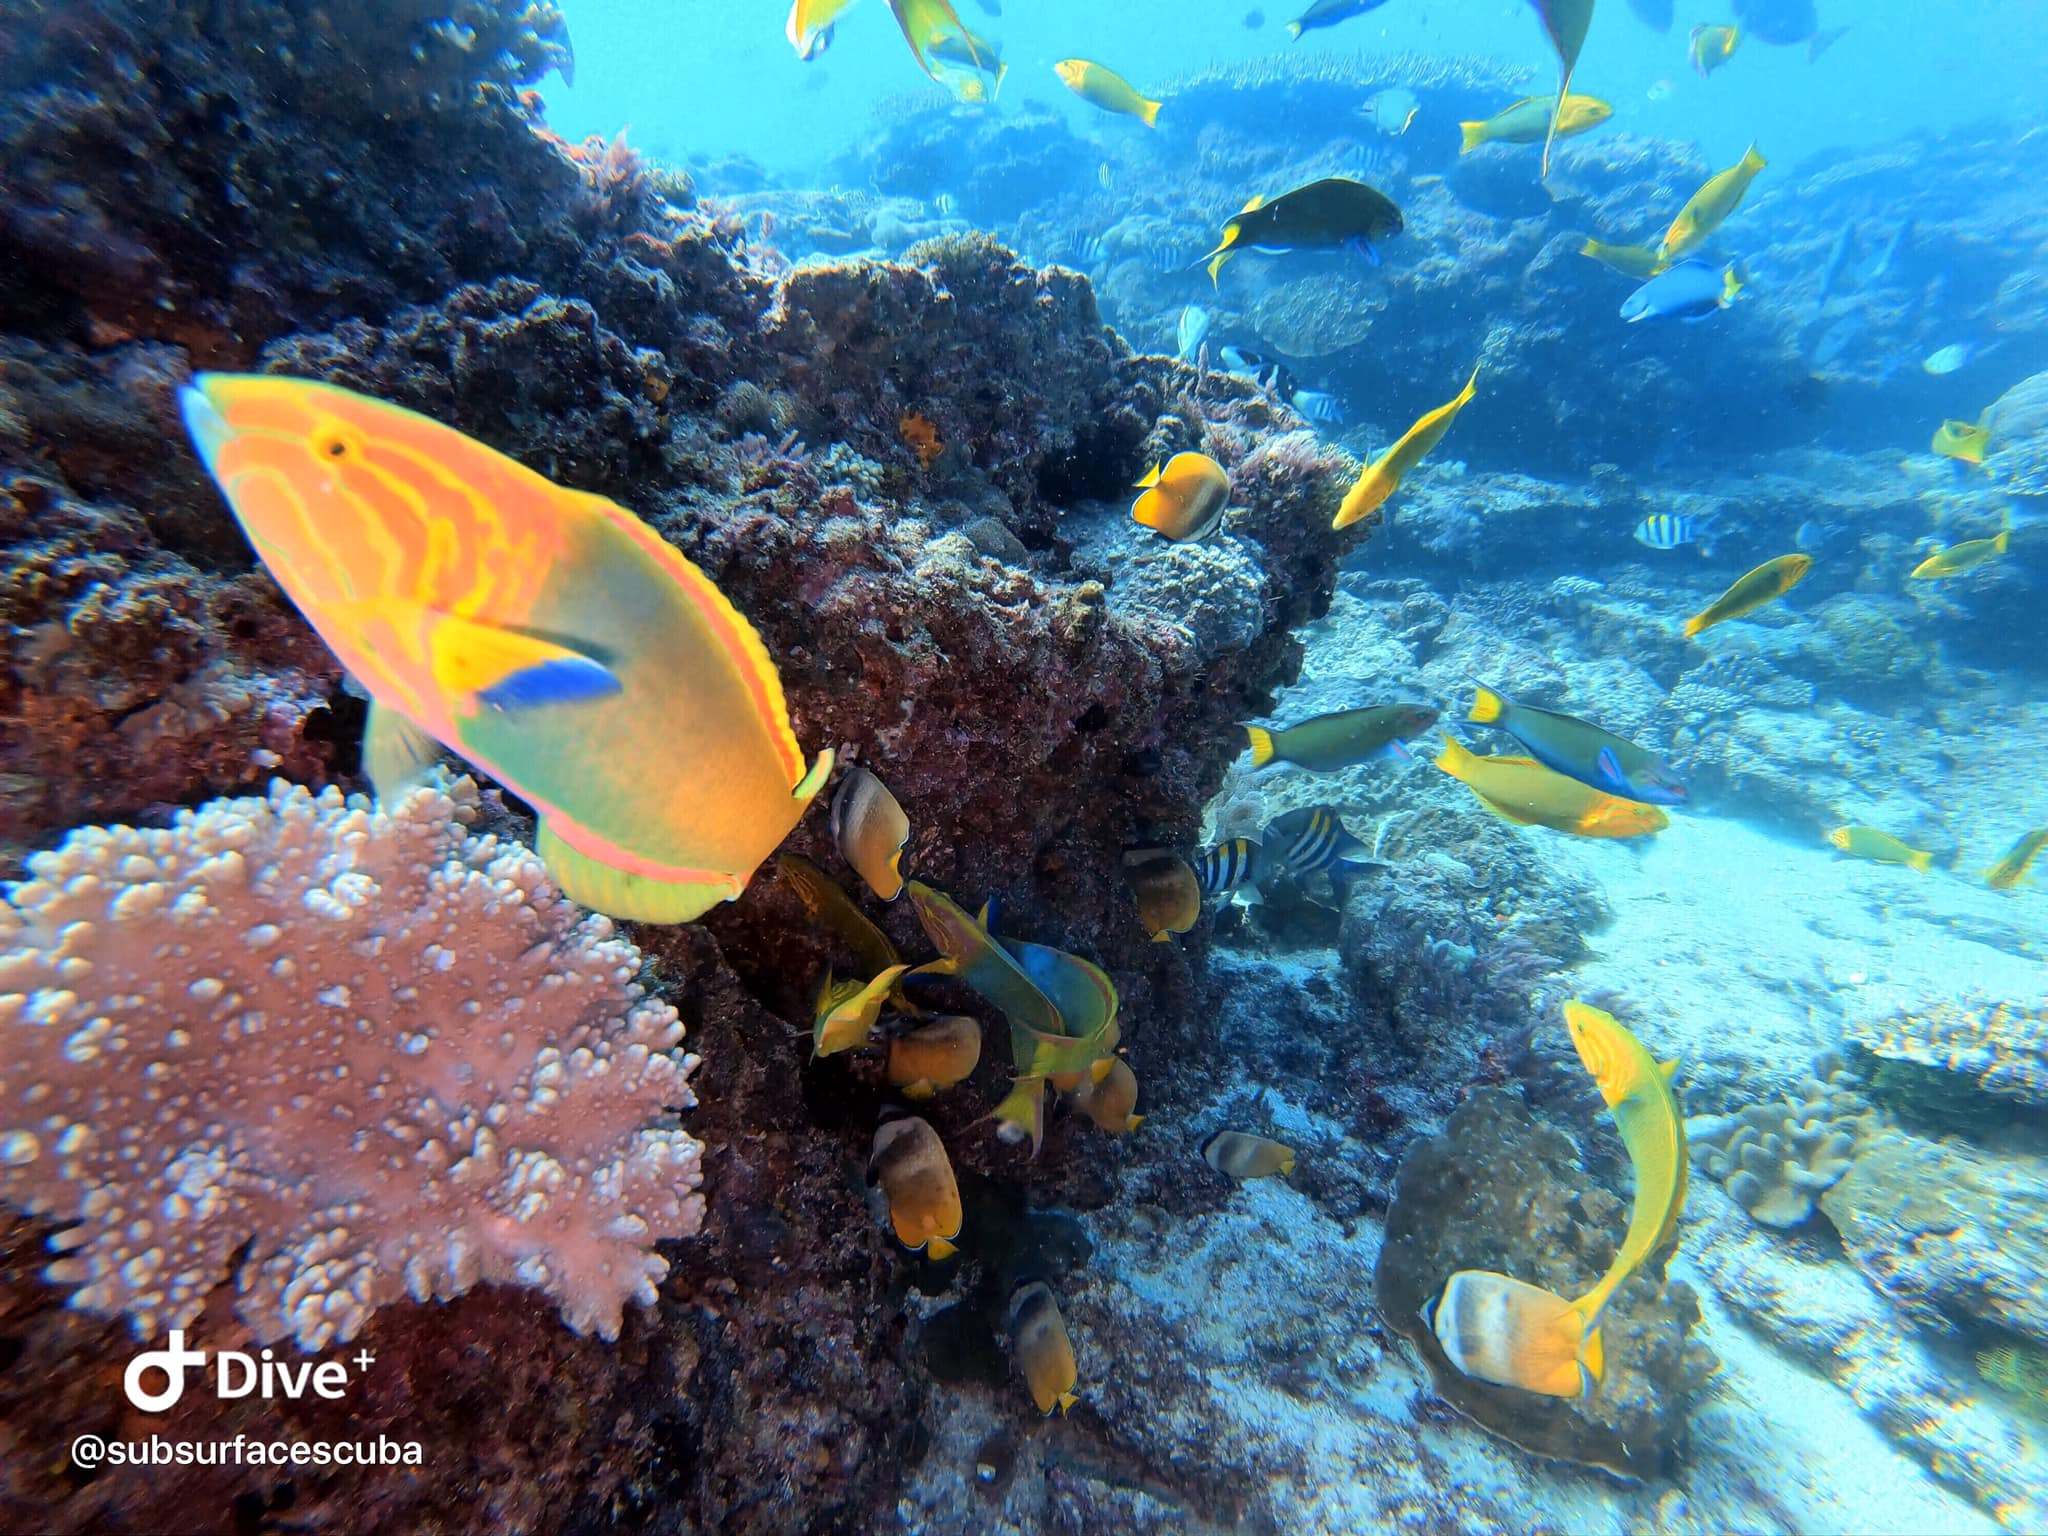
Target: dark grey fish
[1327,13]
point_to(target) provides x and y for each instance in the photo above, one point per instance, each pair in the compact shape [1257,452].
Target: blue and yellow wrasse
[547,635]
[1581,750]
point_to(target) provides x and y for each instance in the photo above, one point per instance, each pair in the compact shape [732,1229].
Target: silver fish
[1194,330]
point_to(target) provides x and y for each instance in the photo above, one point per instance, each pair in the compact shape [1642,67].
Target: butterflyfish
[1964,440]
[1528,121]
[1880,848]
[1245,1156]
[1166,889]
[1322,215]
[1565,22]
[2012,868]
[1185,499]
[1712,46]
[1705,210]
[934,1056]
[870,830]
[917,1179]
[1522,790]
[1506,1331]
[1751,591]
[1381,478]
[1326,743]
[1108,1099]
[1580,750]
[1108,90]
[1958,558]
[1637,261]
[546,635]
[1038,1336]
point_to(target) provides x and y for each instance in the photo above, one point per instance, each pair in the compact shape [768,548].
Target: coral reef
[1776,1159]
[1997,1048]
[351,1054]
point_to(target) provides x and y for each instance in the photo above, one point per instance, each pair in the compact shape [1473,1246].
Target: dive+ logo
[235,1374]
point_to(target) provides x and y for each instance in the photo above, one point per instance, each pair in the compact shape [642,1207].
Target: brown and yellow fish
[1167,891]
[935,1056]
[847,1011]
[1105,88]
[1323,215]
[547,635]
[1045,1355]
[1964,440]
[1245,1156]
[1712,46]
[1880,848]
[1528,121]
[870,830]
[1503,1330]
[1636,261]
[1705,210]
[1958,558]
[927,23]
[917,1179]
[1184,499]
[2010,870]
[1766,584]
[1522,790]
[1382,477]
[1109,1099]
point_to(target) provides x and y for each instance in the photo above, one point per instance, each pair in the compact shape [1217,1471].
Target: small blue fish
[1667,530]
[1689,291]
[1319,405]
[1312,838]
[1194,330]
[1229,865]
[1957,354]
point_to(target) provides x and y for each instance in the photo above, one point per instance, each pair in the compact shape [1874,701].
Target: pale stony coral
[1777,1159]
[381,1046]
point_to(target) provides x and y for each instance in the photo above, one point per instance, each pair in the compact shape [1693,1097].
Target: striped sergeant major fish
[1312,838]
[1228,866]
[1671,530]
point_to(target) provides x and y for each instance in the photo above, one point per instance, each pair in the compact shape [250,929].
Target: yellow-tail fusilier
[1523,791]
[1712,46]
[1566,23]
[1528,121]
[1766,584]
[1879,848]
[847,1010]
[1958,558]
[1707,208]
[917,1179]
[1636,261]
[1185,499]
[547,635]
[1165,887]
[935,1056]
[1245,1156]
[1323,215]
[2010,870]
[1382,477]
[1038,1335]
[870,829]
[1107,89]
[1109,1099]
[1964,440]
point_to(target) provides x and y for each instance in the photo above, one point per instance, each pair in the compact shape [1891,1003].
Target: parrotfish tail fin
[1065,1401]
[1471,388]
[1215,265]
[1694,625]
[1732,283]
[1753,160]
[1922,861]
[1564,87]
[1454,757]
[808,786]
[1294,31]
[1101,1069]
[1287,1165]
[1262,745]
[1668,1070]
[395,752]
[1475,135]
[620,893]
[939,1248]
[1151,478]
[1149,111]
[1487,706]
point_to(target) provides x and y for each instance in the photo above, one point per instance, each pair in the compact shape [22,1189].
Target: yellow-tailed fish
[1326,743]
[1045,1355]
[1713,46]
[1636,261]
[1109,1099]
[1168,894]
[1087,1003]
[1528,121]
[847,1010]
[1964,440]
[1245,1156]
[1522,790]
[1326,214]
[870,829]
[981,70]
[1506,1331]
[2010,870]
[1705,210]
[1880,848]
[829,906]
[1382,477]
[547,635]
[1185,499]
[1020,1117]
[1766,584]
[925,24]
[935,1056]
[809,21]
[1107,89]
[1566,23]
[1958,558]
[917,1178]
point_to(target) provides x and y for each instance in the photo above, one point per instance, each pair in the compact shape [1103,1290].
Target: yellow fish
[830,906]
[1879,848]
[1186,499]
[1503,1330]
[935,1056]
[1109,1099]
[1381,478]
[547,635]
[1168,894]
[1713,46]
[1965,440]
[926,24]
[1636,261]
[847,1011]
[1705,210]
[809,21]
[1107,89]
[917,1178]
[1767,583]
[1044,1353]
[870,829]
[1524,791]
[1245,1156]
[1958,558]
[2009,871]
[1566,22]
[1528,121]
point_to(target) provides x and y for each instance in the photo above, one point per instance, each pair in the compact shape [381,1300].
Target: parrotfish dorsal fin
[1258,201]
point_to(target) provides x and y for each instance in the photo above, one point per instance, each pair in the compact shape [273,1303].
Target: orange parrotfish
[546,635]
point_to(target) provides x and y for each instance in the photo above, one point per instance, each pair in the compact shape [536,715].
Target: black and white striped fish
[1319,405]
[1312,838]
[1227,866]
[1668,530]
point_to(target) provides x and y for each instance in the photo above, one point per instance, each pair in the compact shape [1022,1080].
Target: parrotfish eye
[334,443]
